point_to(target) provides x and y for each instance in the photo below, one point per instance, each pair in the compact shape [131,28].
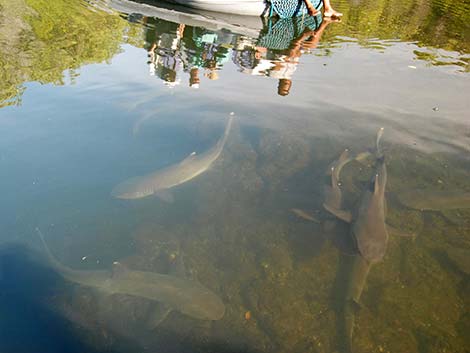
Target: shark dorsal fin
[119,269]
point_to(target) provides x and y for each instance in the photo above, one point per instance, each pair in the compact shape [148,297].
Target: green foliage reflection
[443,24]
[40,40]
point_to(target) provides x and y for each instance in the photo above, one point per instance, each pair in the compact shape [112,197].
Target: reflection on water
[175,49]
[32,49]
[261,226]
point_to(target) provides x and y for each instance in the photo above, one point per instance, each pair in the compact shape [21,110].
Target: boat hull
[238,7]
[249,26]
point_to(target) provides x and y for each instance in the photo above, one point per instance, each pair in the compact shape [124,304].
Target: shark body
[368,228]
[160,181]
[369,234]
[186,296]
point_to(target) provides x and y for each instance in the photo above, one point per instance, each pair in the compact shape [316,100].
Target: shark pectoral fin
[341,214]
[398,232]
[157,314]
[165,195]
[119,269]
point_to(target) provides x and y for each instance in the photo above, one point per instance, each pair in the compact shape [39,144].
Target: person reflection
[174,49]
[287,62]
[274,54]
[203,52]
[194,79]
[164,51]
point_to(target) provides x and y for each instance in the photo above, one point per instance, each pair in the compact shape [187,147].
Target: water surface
[93,93]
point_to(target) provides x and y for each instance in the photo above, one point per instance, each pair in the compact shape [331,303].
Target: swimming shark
[160,181]
[333,197]
[331,191]
[368,227]
[184,295]
[369,236]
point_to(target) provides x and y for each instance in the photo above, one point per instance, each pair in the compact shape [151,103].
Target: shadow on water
[28,324]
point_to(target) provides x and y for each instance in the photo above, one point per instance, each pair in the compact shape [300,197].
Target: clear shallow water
[82,113]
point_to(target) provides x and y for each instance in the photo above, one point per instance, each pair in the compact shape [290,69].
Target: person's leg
[329,11]
[314,37]
[312,11]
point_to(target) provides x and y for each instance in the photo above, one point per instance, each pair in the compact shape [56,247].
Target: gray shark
[351,279]
[368,227]
[186,296]
[369,234]
[332,191]
[333,197]
[160,181]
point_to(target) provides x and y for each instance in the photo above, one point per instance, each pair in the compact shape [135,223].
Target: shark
[333,197]
[368,227]
[369,234]
[370,237]
[161,181]
[331,191]
[184,295]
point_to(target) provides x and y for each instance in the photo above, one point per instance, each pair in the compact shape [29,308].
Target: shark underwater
[369,234]
[184,295]
[368,227]
[160,181]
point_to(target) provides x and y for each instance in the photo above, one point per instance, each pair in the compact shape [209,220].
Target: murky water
[237,247]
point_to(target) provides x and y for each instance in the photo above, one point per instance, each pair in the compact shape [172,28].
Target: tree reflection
[40,40]
[47,42]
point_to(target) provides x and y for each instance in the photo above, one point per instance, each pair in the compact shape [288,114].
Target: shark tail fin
[41,236]
[228,127]
[56,264]
[378,148]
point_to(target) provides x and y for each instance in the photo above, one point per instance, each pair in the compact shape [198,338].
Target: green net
[292,8]
[278,35]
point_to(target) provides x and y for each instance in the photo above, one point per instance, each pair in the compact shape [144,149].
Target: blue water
[66,146]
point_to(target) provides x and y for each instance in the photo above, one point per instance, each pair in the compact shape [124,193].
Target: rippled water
[94,93]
